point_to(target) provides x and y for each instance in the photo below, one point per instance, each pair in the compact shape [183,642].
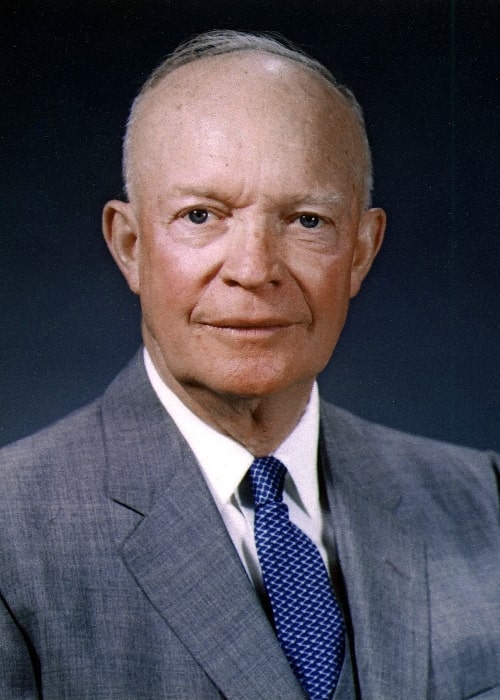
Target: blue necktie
[307,618]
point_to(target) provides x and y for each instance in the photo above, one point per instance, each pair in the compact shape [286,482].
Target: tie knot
[267,475]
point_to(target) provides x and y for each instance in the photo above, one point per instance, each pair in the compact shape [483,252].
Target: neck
[260,423]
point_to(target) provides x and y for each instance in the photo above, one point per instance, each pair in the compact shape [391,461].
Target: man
[143,553]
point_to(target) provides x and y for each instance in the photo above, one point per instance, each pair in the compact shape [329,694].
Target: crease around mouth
[242,325]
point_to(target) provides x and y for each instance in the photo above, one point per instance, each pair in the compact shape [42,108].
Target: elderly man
[208,528]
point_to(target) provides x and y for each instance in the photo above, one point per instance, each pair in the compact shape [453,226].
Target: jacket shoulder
[418,472]
[33,468]
[72,447]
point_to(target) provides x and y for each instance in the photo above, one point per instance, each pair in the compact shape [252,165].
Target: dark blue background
[421,347]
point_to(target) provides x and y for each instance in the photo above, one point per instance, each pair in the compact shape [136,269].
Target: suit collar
[349,443]
[134,423]
[180,553]
[182,558]
[383,564]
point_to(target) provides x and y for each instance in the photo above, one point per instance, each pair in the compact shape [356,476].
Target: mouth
[260,328]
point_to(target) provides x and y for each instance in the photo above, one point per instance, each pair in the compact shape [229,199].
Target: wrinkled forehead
[250,80]
[246,87]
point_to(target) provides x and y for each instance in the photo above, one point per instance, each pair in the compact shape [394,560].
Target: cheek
[328,288]
[165,274]
[162,291]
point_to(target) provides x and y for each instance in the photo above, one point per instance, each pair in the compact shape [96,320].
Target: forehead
[234,100]
[240,82]
[243,72]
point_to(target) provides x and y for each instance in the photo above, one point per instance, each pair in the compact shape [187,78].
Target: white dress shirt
[225,462]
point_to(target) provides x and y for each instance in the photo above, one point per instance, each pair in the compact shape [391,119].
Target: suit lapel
[182,558]
[181,555]
[385,577]
[384,571]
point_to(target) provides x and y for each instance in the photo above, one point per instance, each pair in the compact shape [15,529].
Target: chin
[256,384]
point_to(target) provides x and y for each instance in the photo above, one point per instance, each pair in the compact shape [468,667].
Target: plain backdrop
[421,348]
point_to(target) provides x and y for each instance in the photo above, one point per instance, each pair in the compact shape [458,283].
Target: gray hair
[217,42]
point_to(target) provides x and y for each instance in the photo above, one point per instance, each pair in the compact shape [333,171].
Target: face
[245,236]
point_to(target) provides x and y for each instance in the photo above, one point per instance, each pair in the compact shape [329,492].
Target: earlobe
[368,243]
[121,235]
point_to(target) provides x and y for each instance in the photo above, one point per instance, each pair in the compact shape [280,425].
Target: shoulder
[395,445]
[418,472]
[66,458]
[35,469]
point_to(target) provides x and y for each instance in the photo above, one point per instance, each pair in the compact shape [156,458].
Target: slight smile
[249,329]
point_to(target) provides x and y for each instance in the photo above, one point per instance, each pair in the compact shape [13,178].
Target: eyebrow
[208,194]
[310,199]
[180,190]
[319,198]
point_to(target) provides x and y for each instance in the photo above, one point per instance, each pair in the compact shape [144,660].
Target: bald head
[246,232]
[248,74]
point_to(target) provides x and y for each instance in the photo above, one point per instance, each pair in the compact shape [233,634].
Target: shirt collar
[224,462]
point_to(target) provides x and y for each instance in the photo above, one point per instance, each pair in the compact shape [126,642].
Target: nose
[252,258]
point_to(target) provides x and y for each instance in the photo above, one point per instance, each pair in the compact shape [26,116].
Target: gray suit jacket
[119,580]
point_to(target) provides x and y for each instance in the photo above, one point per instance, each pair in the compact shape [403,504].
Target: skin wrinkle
[328,91]
[252,261]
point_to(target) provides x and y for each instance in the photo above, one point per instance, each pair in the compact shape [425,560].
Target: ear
[370,236]
[120,230]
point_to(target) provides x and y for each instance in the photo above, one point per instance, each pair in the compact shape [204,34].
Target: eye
[198,216]
[309,220]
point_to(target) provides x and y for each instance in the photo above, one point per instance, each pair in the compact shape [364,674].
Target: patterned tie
[307,618]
